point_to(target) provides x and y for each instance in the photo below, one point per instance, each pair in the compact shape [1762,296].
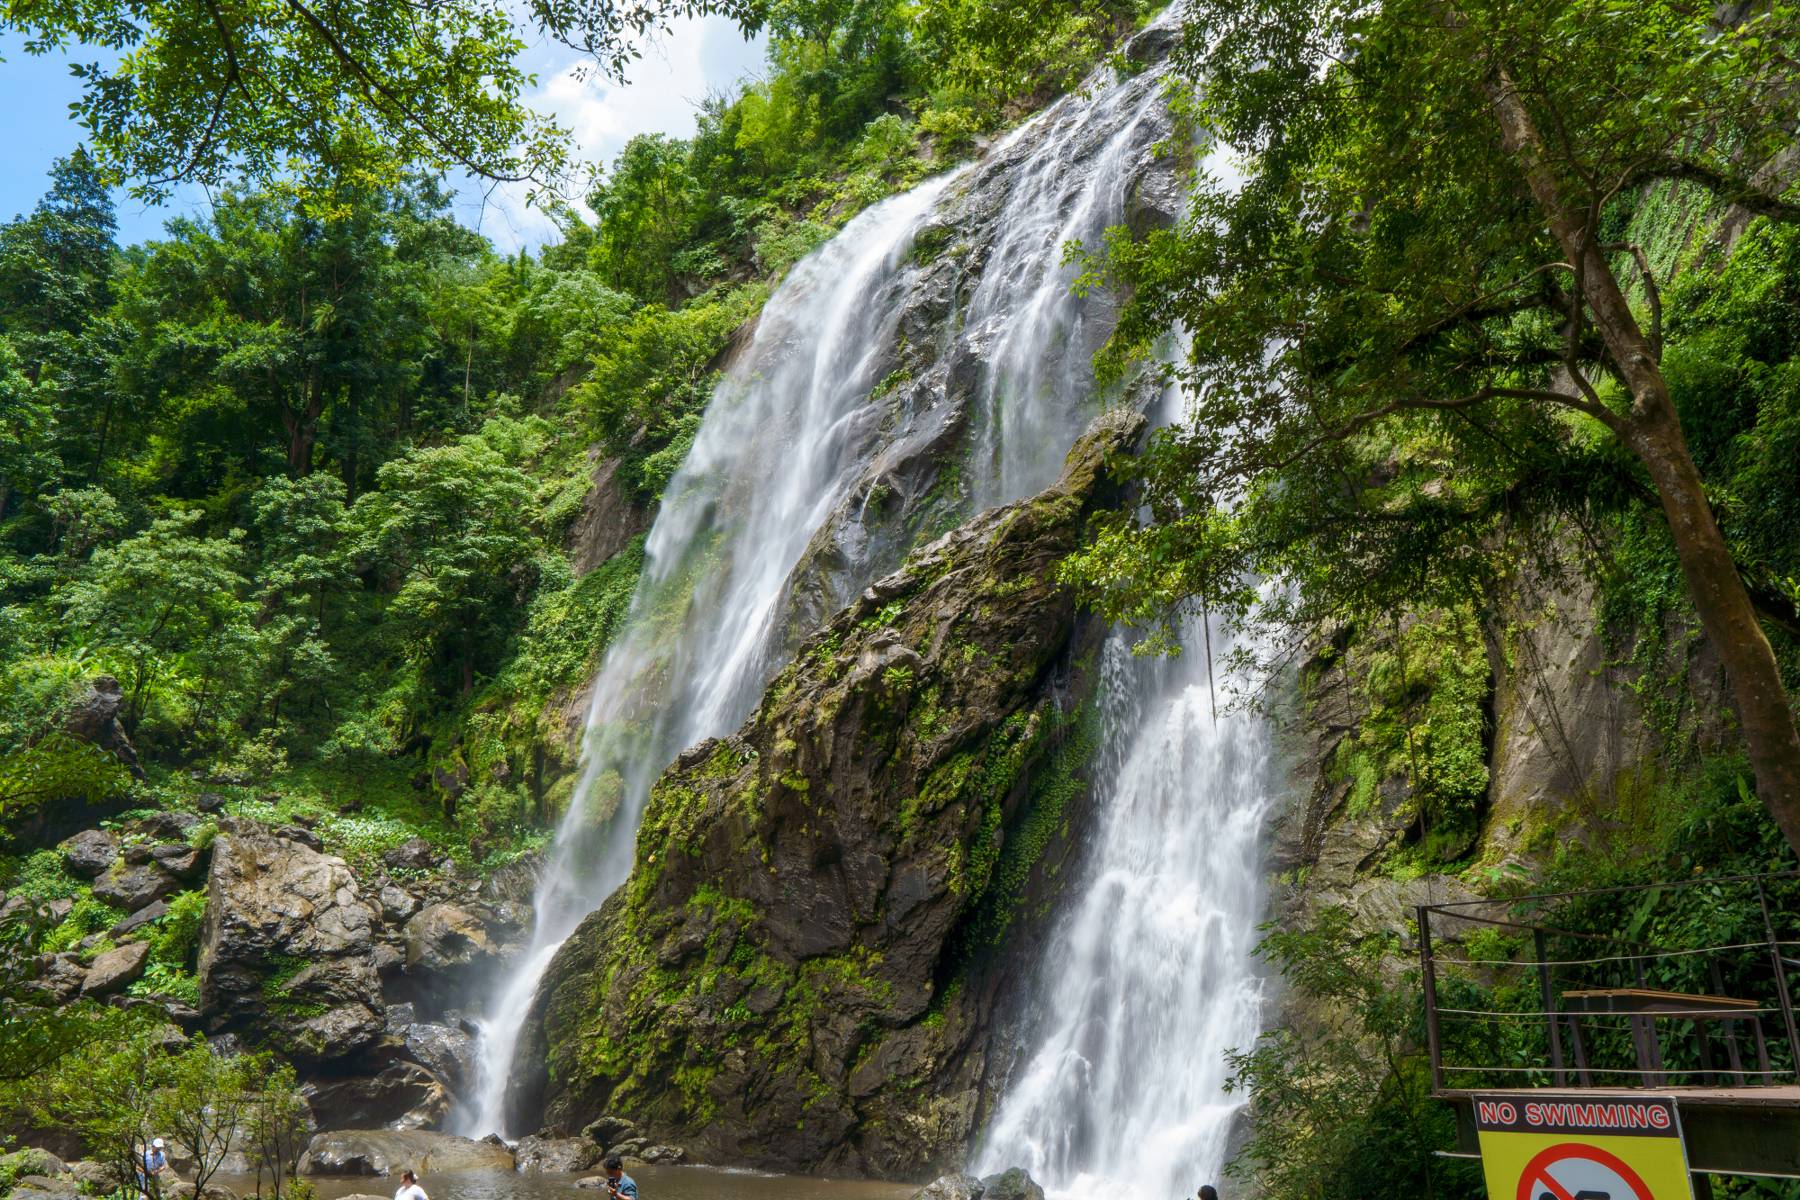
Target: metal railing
[1525,992]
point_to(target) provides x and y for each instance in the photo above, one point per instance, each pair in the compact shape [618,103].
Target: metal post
[1781,987]
[1431,1014]
[1549,994]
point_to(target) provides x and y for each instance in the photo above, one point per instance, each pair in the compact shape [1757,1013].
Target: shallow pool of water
[654,1183]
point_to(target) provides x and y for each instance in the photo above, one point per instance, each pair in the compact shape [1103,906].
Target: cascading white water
[1148,980]
[770,459]
[792,436]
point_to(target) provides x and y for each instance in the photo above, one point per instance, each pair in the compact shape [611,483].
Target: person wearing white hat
[155,1162]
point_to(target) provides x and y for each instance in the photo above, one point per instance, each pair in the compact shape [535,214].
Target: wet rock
[302,835]
[609,517]
[447,1051]
[140,918]
[662,1155]
[133,886]
[91,1176]
[1153,44]
[390,1151]
[286,948]
[447,943]
[389,960]
[592,1182]
[1013,1184]
[116,969]
[89,852]
[536,1153]
[950,1187]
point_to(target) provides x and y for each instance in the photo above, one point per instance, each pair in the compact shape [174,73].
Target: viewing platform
[1567,1001]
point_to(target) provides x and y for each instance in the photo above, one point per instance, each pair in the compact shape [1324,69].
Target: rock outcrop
[286,950]
[787,978]
[390,1151]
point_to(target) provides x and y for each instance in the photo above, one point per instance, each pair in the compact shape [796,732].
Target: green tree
[209,92]
[1344,1096]
[443,533]
[1410,325]
[56,274]
[302,580]
[645,208]
[166,605]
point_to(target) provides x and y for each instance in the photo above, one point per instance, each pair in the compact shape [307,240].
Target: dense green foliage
[1380,313]
[301,474]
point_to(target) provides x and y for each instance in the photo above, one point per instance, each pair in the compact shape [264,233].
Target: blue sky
[659,95]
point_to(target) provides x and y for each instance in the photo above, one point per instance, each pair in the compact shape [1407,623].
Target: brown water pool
[654,1183]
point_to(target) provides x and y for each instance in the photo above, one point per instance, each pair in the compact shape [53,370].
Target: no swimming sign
[1581,1147]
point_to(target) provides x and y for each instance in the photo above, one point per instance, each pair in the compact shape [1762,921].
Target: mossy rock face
[780,982]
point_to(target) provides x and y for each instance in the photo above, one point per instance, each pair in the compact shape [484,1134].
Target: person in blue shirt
[619,1185]
[152,1166]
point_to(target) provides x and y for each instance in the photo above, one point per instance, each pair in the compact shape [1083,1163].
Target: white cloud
[661,94]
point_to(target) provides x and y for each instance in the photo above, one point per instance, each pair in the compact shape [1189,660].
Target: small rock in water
[662,1155]
[956,1186]
[1014,1184]
[536,1153]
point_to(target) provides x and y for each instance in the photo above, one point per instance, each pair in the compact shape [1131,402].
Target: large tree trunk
[1652,431]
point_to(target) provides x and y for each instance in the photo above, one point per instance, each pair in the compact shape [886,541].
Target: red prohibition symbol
[1587,1173]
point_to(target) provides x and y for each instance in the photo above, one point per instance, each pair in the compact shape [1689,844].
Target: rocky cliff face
[795,974]
[1561,746]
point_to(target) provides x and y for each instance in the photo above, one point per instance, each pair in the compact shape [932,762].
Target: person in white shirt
[409,1188]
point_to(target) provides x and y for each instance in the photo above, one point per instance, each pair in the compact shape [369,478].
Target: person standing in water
[619,1185]
[409,1188]
[1208,1192]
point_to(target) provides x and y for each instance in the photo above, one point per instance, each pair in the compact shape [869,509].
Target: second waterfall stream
[942,323]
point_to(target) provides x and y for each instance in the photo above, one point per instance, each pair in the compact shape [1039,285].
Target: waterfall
[953,380]
[1147,979]
[770,457]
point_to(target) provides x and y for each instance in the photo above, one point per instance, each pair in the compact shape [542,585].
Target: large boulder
[446,1050]
[536,1153]
[95,718]
[89,852]
[402,1095]
[390,1151]
[802,886]
[286,948]
[449,946]
[116,969]
[31,1161]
